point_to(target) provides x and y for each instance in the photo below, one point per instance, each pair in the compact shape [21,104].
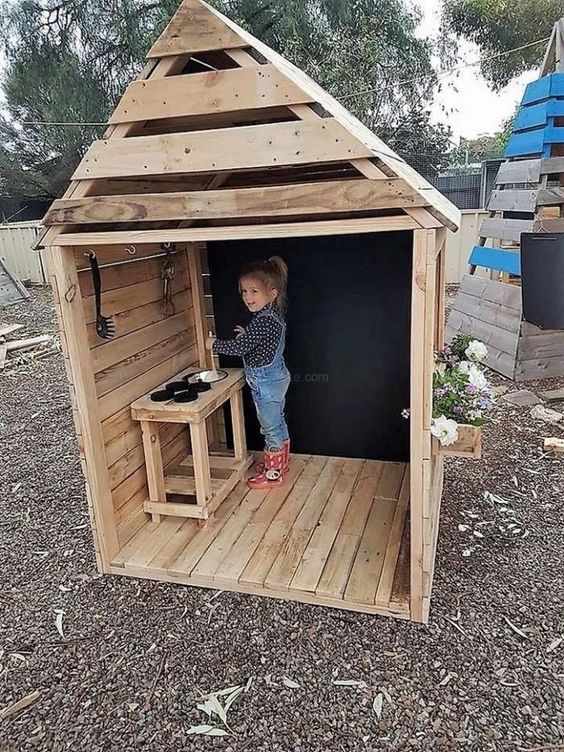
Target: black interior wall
[348,338]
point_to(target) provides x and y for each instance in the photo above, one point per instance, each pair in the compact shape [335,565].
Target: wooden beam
[274,201]
[423,240]
[548,63]
[522,171]
[208,93]
[551,196]
[68,300]
[192,29]
[224,149]
[552,166]
[242,232]
[505,229]
[513,200]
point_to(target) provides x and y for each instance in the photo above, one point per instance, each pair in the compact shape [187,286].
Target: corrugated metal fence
[16,239]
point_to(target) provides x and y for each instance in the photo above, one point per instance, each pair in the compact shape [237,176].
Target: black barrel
[542,272]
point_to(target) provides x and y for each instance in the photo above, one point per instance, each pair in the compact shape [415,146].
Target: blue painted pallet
[496,258]
[537,115]
[544,88]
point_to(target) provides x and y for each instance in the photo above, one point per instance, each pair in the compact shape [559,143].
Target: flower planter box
[469,443]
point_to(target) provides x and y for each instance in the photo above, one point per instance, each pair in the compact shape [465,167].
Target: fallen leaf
[516,629]
[290,683]
[64,589]
[386,695]
[555,644]
[348,683]
[132,706]
[203,729]
[15,707]
[59,621]
[377,704]
[463,528]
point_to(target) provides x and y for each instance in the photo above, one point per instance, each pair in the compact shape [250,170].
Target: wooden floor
[336,534]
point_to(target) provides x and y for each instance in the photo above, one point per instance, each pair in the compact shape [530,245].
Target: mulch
[487,672]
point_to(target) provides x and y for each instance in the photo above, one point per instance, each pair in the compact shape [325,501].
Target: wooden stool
[194,476]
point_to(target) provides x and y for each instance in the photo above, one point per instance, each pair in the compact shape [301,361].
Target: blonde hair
[273,274]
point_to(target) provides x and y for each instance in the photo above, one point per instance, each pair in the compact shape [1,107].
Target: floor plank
[233,564]
[266,552]
[339,564]
[298,535]
[319,546]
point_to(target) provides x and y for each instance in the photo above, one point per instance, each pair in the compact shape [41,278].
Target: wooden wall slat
[522,171]
[225,149]
[134,320]
[321,197]
[205,93]
[505,229]
[124,275]
[510,200]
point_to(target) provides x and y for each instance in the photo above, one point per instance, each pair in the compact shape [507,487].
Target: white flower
[445,429]
[475,374]
[476,351]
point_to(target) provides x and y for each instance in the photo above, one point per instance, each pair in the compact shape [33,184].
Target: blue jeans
[269,385]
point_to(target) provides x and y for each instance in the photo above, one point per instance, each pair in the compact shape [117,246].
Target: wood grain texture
[323,197]
[505,229]
[521,171]
[194,28]
[225,149]
[221,91]
[513,200]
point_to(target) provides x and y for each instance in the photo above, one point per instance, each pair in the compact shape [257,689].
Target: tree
[500,25]
[68,61]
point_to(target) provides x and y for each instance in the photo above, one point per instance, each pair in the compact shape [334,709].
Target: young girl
[262,285]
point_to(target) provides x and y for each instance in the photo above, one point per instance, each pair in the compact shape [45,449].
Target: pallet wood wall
[148,348]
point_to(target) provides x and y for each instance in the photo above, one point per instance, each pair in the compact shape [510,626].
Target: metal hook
[131,249]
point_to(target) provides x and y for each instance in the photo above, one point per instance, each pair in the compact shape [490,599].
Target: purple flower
[470,389]
[457,409]
[454,359]
[447,350]
[440,392]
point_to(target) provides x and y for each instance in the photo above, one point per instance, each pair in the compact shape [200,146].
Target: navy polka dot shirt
[258,345]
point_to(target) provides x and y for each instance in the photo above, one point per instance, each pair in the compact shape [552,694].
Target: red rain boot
[259,467]
[273,474]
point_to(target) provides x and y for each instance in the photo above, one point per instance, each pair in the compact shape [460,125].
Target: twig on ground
[157,677]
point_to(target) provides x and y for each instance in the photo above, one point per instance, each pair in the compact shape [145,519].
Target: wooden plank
[323,197]
[119,349]
[235,561]
[226,537]
[202,473]
[316,554]
[160,535]
[500,340]
[243,232]
[496,292]
[65,286]
[496,314]
[133,320]
[113,277]
[153,461]
[266,552]
[385,585]
[247,147]
[117,376]
[218,91]
[121,397]
[422,239]
[367,568]
[6,329]
[513,200]
[238,425]
[193,29]
[546,345]
[468,444]
[548,225]
[552,166]
[335,576]
[553,445]
[551,196]
[109,254]
[124,299]
[193,254]
[552,395]
[505,229]
[539,368]
[189,412]
[547,65]
[288,559]
[519,171]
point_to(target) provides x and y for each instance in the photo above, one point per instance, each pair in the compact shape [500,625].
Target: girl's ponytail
[280,279]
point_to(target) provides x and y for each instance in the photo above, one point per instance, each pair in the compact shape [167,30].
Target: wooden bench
[208,476]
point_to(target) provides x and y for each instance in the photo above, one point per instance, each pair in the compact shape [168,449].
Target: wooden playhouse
[219,151]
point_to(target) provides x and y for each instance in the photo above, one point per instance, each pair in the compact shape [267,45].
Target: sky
[473,108]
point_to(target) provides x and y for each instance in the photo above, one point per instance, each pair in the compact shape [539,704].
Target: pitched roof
[226,133]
